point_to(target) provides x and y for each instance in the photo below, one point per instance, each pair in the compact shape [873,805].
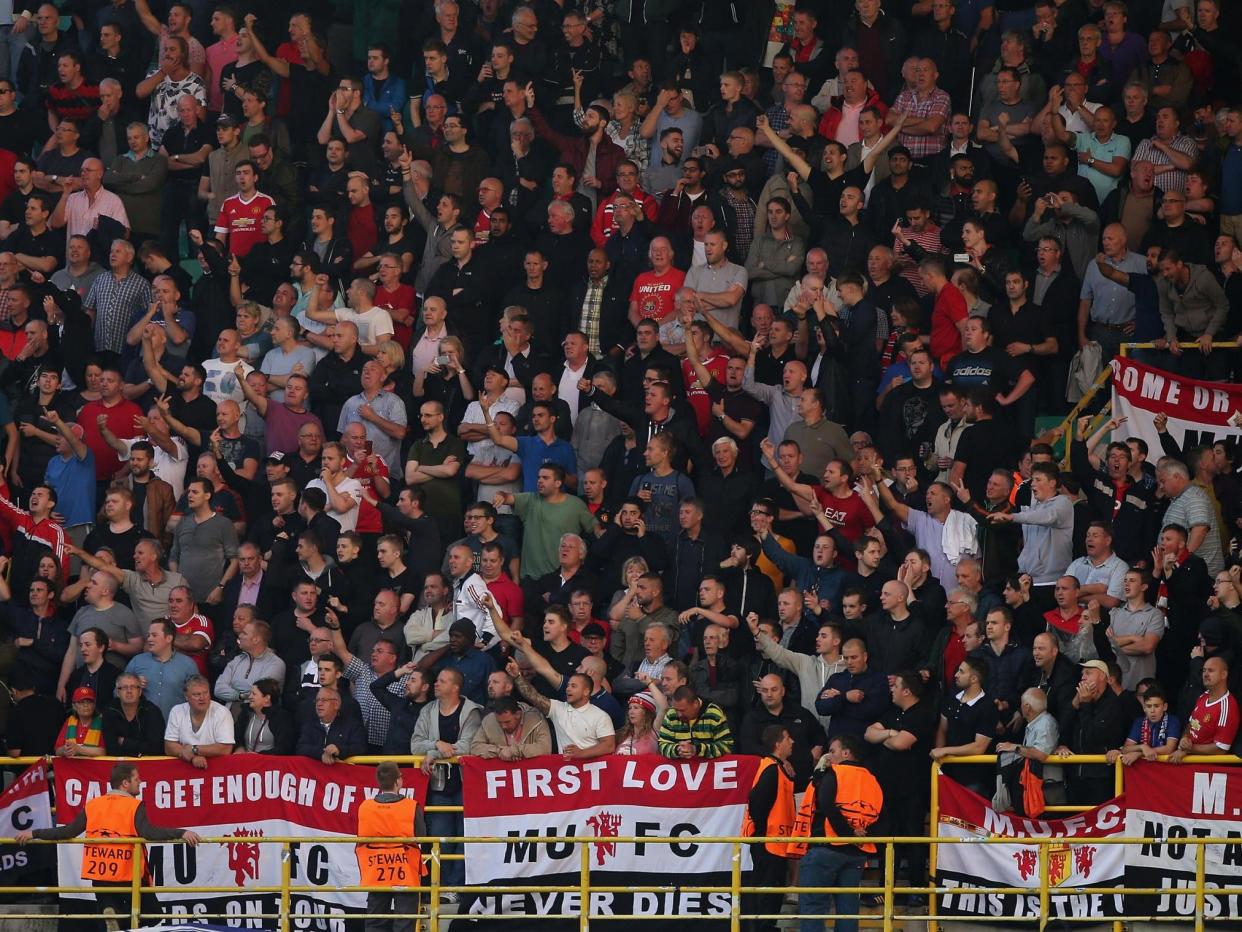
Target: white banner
[24,805]
[622,797]
[1080,874]
[247,797]
[1198,412]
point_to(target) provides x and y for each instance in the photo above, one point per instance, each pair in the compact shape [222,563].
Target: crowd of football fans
[471,378]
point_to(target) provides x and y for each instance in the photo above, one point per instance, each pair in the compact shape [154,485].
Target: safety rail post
[1043,887]
[135,886]
[889,899]
[933,830]
[286,880]
[735,885]
[584,886]
[433,907]
[1200,879]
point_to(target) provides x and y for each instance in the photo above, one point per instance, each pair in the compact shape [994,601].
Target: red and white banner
[248,797]
[622,797]
[24,805]
[1169,803]
[1198,412]
[1080,874]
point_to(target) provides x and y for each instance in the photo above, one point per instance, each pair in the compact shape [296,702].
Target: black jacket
[332,382]
[142,737]
[345,732]
[279,720]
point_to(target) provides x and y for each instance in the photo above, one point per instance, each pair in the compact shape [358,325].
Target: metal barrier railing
[430,911]
[1119,786]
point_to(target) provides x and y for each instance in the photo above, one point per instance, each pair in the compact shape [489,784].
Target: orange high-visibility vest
[110,816]
[388,865]
[782,814]
[859,798]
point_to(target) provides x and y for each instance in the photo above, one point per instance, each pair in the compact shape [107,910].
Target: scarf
[1160,732]
[1162,592]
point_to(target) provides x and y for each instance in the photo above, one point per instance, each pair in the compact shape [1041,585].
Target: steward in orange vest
[119,814]
[390,865]
[770,811]
[843,801]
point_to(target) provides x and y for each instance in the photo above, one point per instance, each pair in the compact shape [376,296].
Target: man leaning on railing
[117,814]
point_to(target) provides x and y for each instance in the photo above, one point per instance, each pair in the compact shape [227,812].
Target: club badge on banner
[247,797]
[1168,803]
[1080,874]
[24,805]
[611,796]
[1198,412]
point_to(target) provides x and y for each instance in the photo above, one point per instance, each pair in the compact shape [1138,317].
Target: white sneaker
[448,898]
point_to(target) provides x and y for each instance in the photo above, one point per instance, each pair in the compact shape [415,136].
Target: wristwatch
[194,750]
[1090,160]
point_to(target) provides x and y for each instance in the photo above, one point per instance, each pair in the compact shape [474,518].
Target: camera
[442,359]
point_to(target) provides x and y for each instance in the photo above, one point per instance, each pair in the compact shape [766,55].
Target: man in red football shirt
[1213,724]
[241,216]
[654,291]
[839,509]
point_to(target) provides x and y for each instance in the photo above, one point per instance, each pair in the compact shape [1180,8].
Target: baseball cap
[84,694]
[1096,665]
[226,119]
[594,629]
[276,457]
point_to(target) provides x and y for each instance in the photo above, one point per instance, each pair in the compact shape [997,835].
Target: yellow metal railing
[430,912]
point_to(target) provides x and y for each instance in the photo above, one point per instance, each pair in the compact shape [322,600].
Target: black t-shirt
[122,544]
[199,414]
[13,208]
[983,447]
[827,190]
[565,662]
[34,724]
[48,243]
[1029,325]
[965,723]
[22,130]
[977,370]
[897,768]
[408,580]
[180,141]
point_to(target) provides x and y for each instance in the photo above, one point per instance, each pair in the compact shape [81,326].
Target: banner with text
[24,805]
[1168,803]
[248,797]
[1198,412]
[622,797]
[1080,874]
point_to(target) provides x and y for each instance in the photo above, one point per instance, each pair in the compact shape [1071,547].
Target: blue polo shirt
[74,482]
[533,453]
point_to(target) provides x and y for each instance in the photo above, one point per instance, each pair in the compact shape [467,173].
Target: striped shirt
[708,732]
[934,104]
[115,301]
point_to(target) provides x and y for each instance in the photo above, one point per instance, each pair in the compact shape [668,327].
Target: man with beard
[911,412]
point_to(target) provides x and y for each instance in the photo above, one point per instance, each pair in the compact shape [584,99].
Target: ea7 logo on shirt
[836,517]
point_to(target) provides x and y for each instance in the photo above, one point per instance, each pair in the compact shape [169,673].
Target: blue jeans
[829,866]
[447,825]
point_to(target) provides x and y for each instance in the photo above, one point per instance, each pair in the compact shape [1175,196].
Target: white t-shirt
[217,727]
[169,468]
[466,607]
[582,727]
[350,487]
[222,381]
[374,326]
